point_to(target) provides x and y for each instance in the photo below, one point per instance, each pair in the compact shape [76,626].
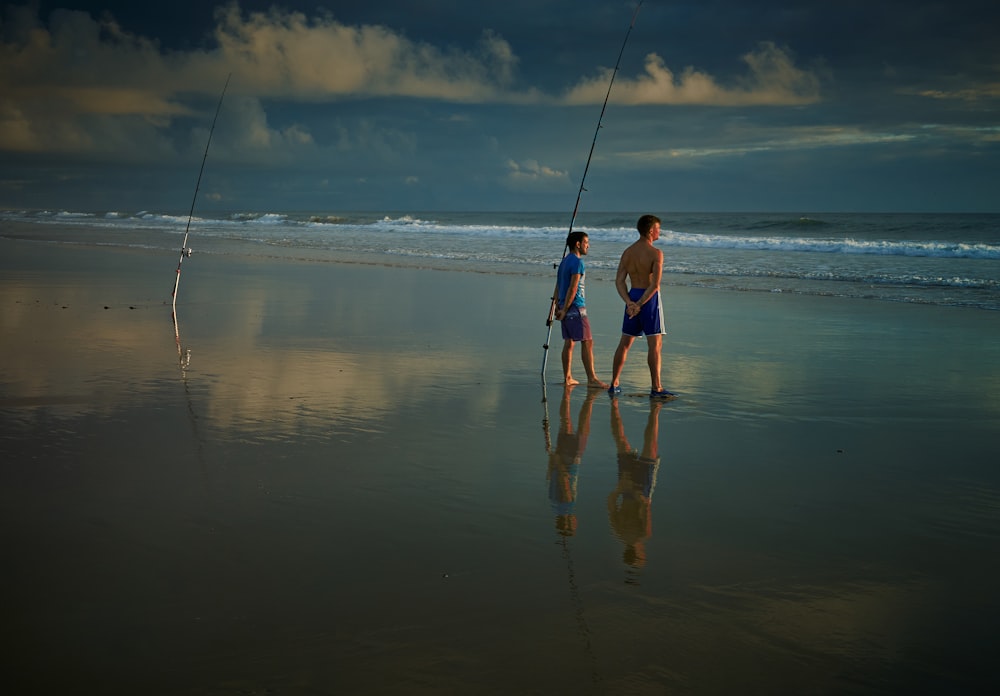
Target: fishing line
[579,195]
[185,251]
[184,356]
[579,612]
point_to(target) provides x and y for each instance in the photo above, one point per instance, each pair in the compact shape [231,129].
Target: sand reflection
[281,386]
[76,356]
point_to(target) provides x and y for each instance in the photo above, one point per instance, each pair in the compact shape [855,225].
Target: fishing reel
[186,252]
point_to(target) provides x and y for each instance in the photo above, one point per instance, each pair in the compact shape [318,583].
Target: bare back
[642,264]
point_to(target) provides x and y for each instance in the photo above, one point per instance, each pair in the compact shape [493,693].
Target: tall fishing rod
[579,195]
[185,251]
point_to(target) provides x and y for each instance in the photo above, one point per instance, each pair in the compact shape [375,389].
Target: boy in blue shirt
[571,310]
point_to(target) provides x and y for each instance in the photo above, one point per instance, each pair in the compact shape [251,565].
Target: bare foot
[596,384]
[570,381]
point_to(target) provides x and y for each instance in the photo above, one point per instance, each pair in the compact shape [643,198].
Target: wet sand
[343,478]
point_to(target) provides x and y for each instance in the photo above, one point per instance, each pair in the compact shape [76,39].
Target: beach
[330,477]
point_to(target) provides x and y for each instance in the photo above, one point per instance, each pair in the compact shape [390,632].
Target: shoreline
[859,277]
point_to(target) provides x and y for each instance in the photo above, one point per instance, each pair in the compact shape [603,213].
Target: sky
[455,105]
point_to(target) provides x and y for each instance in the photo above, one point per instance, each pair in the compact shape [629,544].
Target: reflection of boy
[564,461]
[629,504]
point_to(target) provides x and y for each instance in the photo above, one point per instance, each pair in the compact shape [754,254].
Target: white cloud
[790,139]
[66,87]
[249,137]
[772,79]
[970,94]
[531,174]
[84,85]
[287,54]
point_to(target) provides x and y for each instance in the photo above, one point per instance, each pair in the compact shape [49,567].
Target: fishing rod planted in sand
[185,251]
[579,195]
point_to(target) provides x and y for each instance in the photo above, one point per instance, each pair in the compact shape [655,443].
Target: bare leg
[567,362]
[653,358]
[587,353]
[620,354]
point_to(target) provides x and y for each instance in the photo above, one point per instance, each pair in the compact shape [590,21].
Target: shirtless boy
[638,284]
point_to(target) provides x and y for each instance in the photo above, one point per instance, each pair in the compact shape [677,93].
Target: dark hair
[575,238]
[645,223]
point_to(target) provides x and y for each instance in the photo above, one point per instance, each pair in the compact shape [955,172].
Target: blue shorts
[649,320]
[575,325]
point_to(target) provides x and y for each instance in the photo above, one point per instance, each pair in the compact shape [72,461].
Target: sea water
[936,259]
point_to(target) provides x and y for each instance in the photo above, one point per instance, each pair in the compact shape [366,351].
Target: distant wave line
[616,235]
[937,249]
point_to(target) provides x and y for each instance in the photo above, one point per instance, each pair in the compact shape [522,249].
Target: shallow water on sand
[349,479]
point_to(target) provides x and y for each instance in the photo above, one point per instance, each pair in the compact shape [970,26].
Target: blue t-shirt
[571,265]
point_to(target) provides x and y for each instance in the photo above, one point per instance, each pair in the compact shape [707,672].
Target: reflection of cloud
[773,79]
[60,344]
[61,347]
[278,390]
[273,379]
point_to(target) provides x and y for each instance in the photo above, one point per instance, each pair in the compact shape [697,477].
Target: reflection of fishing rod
[184,360]
[583,179]
[578,611]
[183,357]
[545,417]
[185,251]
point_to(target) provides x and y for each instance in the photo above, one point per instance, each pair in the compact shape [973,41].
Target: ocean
[948,260]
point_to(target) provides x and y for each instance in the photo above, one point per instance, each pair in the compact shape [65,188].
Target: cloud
[531,174]
[961,134]
[86,86]
[81,86]
[772,80]
[65,88]
[16,132]
[250,138]
[791,139]
[88,66]
[968,94]
[287,54]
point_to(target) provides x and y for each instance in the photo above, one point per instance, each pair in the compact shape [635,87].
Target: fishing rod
[185,251]
[579,195]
